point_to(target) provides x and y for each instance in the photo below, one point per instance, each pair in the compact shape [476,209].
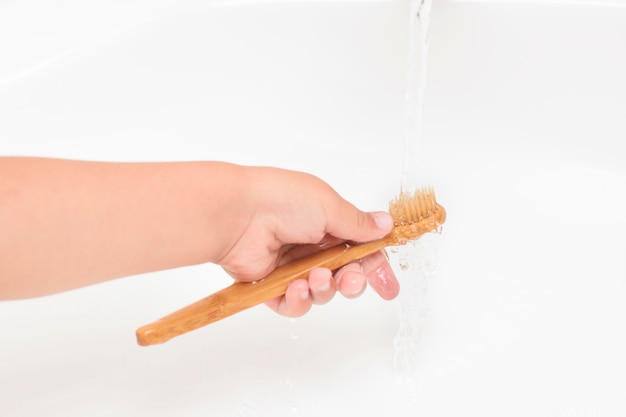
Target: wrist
[228,205]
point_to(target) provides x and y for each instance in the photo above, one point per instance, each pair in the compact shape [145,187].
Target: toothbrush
[413,214]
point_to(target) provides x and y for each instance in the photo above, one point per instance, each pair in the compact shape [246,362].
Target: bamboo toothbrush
[414,215]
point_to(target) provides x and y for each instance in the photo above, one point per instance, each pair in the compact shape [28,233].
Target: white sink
[523,139]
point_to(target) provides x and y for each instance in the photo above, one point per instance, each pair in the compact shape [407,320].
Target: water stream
[415,259]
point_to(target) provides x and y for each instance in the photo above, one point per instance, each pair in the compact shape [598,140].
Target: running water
[419,13]
[415,259]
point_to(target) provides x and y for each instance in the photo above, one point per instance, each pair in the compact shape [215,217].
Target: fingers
[347,222]
[351,281]
[322,285]
[301,294]
[296,301]
[374,270]
[380,276]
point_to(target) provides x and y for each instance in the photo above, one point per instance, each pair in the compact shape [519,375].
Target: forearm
[65,224]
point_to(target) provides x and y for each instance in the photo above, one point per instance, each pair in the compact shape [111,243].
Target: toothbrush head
[415,214]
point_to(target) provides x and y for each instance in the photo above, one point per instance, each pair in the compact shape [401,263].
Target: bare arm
[66,224]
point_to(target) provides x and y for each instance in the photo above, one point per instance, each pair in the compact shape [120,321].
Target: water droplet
[293,334]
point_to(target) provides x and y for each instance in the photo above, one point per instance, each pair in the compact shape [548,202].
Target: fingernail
[381,273]
[304,294]
[383,220]
[355,291]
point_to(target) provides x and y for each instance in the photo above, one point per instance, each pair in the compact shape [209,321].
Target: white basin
[523,139]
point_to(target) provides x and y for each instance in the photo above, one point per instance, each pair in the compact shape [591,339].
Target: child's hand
[67,224]
[289,215]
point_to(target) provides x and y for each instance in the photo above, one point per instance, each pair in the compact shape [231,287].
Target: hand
[291,214]
[67,224]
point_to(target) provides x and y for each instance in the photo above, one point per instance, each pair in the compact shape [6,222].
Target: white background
[523,140]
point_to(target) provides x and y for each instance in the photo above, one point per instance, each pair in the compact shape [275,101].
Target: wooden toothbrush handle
[243,295]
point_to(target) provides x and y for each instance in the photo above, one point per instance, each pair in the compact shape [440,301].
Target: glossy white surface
[523,139]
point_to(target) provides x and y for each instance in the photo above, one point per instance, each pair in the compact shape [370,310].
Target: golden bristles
[410,208]
[415,214]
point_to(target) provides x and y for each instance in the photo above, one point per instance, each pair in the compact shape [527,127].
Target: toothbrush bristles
[409,208]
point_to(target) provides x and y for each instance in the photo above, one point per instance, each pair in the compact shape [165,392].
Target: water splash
[416,266]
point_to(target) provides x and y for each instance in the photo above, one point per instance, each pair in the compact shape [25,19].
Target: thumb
[347,222]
